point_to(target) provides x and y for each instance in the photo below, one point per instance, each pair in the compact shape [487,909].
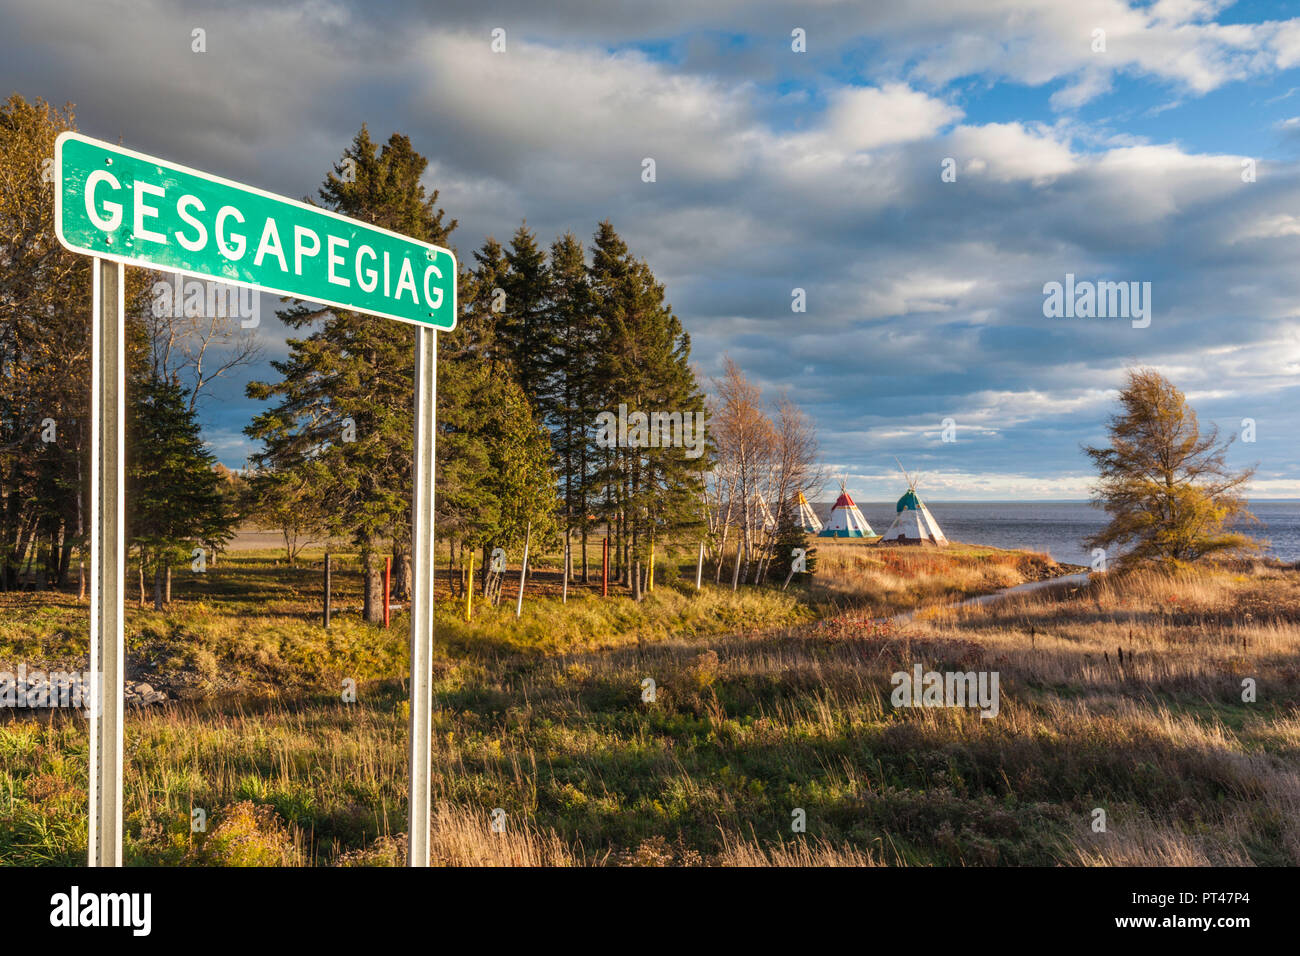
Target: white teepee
[805,516]
[846,520]
[914,523]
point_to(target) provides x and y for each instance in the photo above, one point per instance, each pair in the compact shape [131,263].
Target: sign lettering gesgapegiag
[140,210]
[130,209]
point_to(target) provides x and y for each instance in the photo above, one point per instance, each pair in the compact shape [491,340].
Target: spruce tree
[652,494]
[174,494]
[524,329]
[571,372]
[344,419]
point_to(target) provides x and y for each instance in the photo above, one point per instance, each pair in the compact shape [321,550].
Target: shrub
[248,834]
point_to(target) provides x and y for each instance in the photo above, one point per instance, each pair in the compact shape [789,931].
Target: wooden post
[564,597]
[699,567]
[650,572]
[523,571]
[388,583]
[604,563]
[469,589]
[327,589]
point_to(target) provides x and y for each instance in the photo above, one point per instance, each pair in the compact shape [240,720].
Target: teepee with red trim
[846,520]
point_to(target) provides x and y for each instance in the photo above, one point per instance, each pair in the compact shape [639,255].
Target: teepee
[805,517]
[846,520]
[914,523]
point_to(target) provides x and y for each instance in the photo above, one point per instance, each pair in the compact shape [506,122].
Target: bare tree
[205,343]
[746,440]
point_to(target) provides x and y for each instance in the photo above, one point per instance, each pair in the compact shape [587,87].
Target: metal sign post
[108,561]
[123,207]
[426,409]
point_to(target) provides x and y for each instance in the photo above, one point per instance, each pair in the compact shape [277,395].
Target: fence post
[327,589]
[699,567]
[469,589]
[564,598]
[388,581]
[523,571]
[604,563]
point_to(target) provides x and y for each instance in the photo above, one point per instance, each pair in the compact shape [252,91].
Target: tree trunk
[65,560]
[584,550]
[167,587]
[373,585]
[157,585]
[401,573]
[42,565]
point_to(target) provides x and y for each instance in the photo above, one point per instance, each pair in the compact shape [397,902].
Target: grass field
[766,704]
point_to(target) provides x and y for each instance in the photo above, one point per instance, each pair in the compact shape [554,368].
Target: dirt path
[1079,578]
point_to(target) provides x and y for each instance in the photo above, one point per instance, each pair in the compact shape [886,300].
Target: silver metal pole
[426,390]
[108,558]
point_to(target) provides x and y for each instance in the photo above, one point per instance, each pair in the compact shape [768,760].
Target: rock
[144,690]
[155,697]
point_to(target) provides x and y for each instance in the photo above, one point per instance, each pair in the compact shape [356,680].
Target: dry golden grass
[1124,695]
[892,578]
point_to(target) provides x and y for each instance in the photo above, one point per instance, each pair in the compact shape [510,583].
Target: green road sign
[121,205]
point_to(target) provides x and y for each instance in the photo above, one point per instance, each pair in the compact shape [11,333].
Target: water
[1059,527]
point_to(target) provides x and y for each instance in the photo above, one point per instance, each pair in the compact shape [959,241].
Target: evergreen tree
[651,493]
[345,419]
[524,329]
[788,536]
[176,495]
[572,374]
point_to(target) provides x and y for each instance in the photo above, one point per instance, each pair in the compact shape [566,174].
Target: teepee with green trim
[913,524]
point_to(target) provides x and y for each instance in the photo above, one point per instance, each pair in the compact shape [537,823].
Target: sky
[922,170]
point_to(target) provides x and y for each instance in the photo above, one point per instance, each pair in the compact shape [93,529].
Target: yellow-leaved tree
[1166,485]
